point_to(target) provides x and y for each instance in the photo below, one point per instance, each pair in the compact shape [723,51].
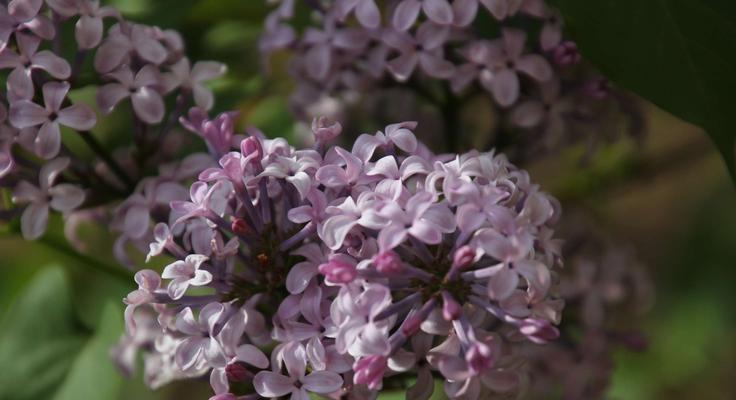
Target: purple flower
[61,197]
[88,29]
[20,84]
[184,76]
[21,16]
[424,50]
[47,142]
[125,39]
[201,346]
[143,90]
[508,62]
[438,11]
[422,218]
[186,273]
[297,382]
[366,11]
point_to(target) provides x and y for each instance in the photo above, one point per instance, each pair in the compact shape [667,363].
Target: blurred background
[668,194]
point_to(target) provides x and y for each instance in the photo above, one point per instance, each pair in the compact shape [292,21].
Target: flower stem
[107,158]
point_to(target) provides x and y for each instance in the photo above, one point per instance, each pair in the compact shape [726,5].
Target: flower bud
[566,53]
[337,271]
[538,331]
[369,371]
[324,129]
[240,227]
[389,263]
[237,372]
[463,257]
[451,309]
[251,148]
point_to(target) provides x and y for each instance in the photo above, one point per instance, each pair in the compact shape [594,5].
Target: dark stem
[60,247]
[108,159]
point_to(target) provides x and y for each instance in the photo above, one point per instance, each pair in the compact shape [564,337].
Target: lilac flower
[509,62]
[422,219]
[185,273]
[322,45]
[88,29]
[20,84]
[143,90]
[218,133]
[366,12]
[297,382]
[438,11]
[125,39]
[62,197]
[22,16]
[201,345]
[424,50]
[191,78]
[26,114]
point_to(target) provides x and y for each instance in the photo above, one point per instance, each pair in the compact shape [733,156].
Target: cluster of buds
[380,263]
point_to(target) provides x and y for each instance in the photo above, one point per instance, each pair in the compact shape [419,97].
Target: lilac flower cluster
[361,266]
[132,62]
[468,46]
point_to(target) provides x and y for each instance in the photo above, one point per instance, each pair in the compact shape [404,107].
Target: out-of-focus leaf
[679,54]
[38,338]
[93,375]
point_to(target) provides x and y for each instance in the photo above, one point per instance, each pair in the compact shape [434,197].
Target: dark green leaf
[93,375]
[38,338]
[679,54]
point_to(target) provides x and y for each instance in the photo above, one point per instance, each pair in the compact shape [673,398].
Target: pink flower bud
[337,271]
[389,263]
[538,331]
[463,257]
[479,357]
[411,325]
[451,309]
[566,53]
[369,371]
[598,88]
[237,372]
[240,227]
[324,129]
[251,148]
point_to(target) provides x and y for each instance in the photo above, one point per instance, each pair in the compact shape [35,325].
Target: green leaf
[93,375]
[38,338]
[678,54]
[47,352]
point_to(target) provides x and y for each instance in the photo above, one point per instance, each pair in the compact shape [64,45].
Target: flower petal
[148,105]
[34,219]
[322,382]
[270,384]
[78,116]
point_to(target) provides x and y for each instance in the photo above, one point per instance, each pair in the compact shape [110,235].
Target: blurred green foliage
[57,323]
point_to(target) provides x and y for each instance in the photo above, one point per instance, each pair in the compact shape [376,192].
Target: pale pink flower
[142,88]
[425,50]
[26,114]
[191,78]
[186,273]
[20,84]
[297,383]
[62,197]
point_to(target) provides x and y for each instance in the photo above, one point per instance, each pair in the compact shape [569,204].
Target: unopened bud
[463,258]
[451,309]
[240,226]
[566,53]
[237,372]
[538,331]
[337,271]
[389,263]
[324,129]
